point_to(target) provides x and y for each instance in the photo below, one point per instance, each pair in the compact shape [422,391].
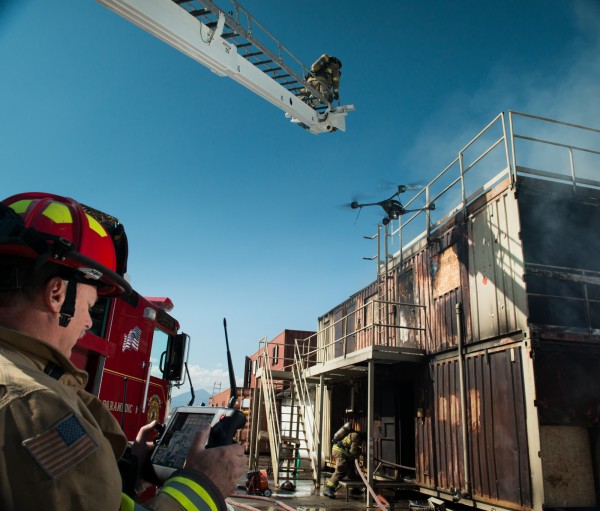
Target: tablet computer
[181,428]
[174,445]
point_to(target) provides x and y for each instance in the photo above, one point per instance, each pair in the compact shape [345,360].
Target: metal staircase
[292,430]
[267,387]
[306,409]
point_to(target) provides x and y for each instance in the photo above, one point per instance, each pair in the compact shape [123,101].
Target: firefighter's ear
[55,291]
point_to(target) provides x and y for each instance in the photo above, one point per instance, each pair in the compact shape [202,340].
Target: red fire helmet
[53,229]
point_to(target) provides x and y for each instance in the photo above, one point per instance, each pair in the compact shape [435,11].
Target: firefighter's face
[81,320]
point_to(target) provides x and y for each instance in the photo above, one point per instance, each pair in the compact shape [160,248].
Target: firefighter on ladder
[325,77]
[61,443]
[347,446]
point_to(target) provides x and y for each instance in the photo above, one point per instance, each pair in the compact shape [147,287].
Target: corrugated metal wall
[496,268]
[496,434]
[439,284]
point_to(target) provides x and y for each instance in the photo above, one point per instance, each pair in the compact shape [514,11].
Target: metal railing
[367,326]
[491,156]
[451,191]
[568,149]
[573,305]
[301,432]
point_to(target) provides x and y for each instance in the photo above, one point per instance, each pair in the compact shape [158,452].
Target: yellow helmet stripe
[58,213]
[20,206]
[96,226]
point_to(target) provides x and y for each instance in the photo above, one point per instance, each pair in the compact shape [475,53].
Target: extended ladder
[226,41]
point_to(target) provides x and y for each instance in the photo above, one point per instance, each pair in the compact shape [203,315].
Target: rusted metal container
[496,452]
[481,336]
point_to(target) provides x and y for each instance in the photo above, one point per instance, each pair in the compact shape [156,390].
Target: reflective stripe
[339,449]
[20,206]
[179,497]
[96,226]
[59,213]
[186,491]
[128,504]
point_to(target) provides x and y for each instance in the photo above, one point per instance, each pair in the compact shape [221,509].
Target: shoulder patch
[63,446]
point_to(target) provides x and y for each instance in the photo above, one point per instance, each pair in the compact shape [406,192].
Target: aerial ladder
[230,42]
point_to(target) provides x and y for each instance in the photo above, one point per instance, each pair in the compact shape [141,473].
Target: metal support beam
[370,417]
[320,444]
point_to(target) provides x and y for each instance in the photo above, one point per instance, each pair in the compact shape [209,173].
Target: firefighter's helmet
[75,241]
[335,60]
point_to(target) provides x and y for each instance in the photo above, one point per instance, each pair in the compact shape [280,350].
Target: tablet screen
[176,442]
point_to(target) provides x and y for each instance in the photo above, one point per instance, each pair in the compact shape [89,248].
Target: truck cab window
[99,314]
[159,346]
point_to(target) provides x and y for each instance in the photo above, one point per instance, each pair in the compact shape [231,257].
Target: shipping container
[472,359]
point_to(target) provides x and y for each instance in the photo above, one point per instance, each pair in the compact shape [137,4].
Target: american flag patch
[63,446]
[131,341]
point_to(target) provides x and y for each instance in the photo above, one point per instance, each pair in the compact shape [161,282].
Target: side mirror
[173,359]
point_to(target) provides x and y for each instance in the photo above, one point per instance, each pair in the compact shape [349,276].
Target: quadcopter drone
[392,206]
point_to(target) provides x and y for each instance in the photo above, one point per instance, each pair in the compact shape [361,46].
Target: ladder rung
[263,62]
[230,35]
[197,13]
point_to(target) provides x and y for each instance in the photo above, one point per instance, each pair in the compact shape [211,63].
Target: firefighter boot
[329,493]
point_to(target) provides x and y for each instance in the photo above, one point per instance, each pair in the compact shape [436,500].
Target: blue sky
[231,210]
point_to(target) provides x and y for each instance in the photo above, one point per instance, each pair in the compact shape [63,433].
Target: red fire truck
[133,355]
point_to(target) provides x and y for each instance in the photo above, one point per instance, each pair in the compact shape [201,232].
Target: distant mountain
[183,399]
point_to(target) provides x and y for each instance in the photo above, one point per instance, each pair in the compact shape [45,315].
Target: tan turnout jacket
[59,445]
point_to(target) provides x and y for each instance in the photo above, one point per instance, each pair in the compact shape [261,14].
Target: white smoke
[568,93]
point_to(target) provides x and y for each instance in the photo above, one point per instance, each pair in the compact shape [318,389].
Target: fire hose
[289,508]
[368,486]
[256,497]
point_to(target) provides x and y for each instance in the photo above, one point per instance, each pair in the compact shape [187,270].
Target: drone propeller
[414,186]
[389,185]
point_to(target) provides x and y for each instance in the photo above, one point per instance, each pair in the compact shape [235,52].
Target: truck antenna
[232,384]
[193,394]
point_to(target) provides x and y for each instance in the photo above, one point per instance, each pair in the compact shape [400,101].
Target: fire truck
[134,355]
